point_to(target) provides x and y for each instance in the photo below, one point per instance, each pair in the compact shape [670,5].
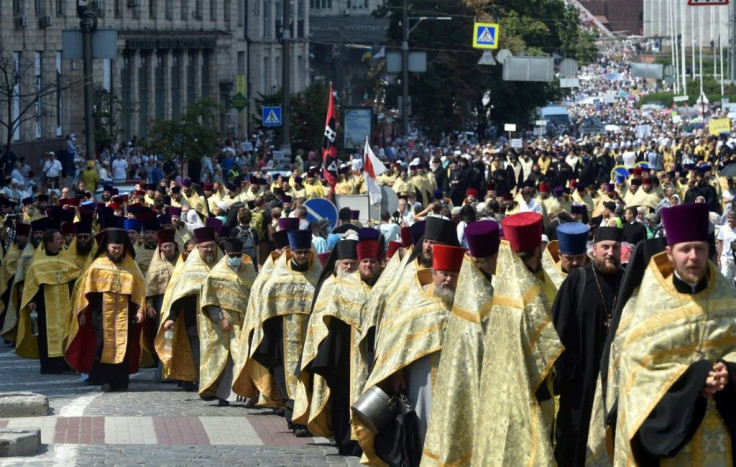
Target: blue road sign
[485,36]
[321,208]
[271,116]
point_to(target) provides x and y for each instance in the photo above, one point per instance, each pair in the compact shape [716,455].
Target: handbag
[397,444]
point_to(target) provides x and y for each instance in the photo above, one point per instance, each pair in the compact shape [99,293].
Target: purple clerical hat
[482,238]
[288,223]
[686,223]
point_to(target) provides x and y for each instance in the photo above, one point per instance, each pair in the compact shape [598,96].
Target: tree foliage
[192,137]
[307,116]
[448,96]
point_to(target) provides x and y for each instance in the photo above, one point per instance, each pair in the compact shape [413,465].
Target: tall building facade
[662,17]
[343,35]
[619,16]
[170,53]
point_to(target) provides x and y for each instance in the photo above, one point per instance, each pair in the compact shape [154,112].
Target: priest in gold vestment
[516,412]
[109,312]
[451,427]
[332,356]
[281,315]
[246,373]
[678,362]
[9,264]
[567,253]
[82,248]
[410,345]
[157,278]
[10,323]
[225,290]
[182,299]
[45,306]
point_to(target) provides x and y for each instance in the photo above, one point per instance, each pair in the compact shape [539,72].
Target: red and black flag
[329,146]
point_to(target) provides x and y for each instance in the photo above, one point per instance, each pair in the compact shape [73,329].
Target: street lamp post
[285,88]
[407,29]
[88,25]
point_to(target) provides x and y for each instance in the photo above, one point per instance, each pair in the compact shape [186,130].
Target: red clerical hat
[447,258]
[369,249]
[523,230]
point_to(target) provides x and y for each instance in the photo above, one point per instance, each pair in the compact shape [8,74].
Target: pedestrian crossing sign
[271,116]
[485,36]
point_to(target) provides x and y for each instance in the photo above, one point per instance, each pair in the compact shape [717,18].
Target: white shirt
[531,206]
[119,169]
[726,235]
[52,169]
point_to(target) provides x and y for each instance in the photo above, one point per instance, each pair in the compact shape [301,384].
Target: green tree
[448,96]
[307,116]
[107,118]
[193,136]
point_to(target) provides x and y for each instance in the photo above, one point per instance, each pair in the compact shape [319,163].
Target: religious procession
[569,301]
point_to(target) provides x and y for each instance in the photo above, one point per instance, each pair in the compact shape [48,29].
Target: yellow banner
[240,84]
[719,125]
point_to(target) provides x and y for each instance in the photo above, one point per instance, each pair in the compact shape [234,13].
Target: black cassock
[581,323]
[333,363]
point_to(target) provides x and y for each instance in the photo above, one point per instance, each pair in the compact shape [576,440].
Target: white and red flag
[372,167]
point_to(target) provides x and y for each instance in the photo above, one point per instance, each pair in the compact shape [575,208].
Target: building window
[176,86]
[241,12]
[60,7]
[169,9]
[116,8]
[19,7]
[184,9]
[159,83]
[267,77]
[198,9]
[40,7]
[191,73]
[213,11]
[320,4]
[205,67]
[226,6]
[59,106]
[16,97]
[125,94]
[152,9]
[143,91]
[267,26]
[358,4]
[38,111]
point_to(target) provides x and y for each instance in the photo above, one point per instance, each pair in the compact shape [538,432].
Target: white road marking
[76,407]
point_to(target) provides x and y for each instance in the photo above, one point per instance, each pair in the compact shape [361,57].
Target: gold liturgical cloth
[118,283]
[669,332]
[187,279]
[455,399]
[344,300]
[288,294]
[228,290]
[520,348]
[53,274]
[409,333]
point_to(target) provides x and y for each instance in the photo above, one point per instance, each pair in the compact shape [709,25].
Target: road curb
[23,404]
[19,442]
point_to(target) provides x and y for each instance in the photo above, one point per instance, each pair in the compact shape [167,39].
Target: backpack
[249,241]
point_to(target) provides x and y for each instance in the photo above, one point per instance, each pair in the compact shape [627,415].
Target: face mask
[234,262]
